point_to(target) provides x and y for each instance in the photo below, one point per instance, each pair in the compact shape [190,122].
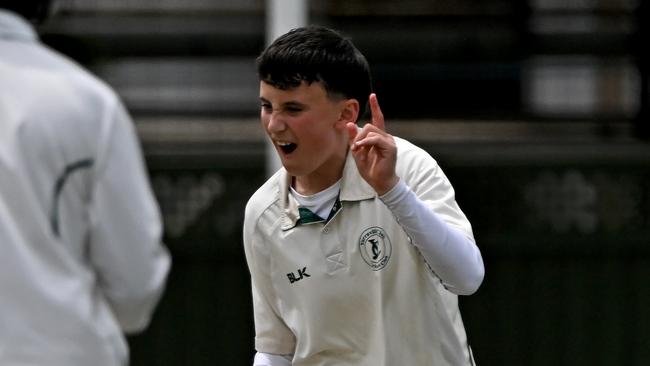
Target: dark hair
[317,54]
[33,10]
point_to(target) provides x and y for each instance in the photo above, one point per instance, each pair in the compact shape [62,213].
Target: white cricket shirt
[353,290]
[81,259]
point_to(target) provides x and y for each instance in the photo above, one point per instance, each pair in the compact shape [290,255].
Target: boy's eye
[265,106]
[294,109]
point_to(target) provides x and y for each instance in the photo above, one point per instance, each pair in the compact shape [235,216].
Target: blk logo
[302,273]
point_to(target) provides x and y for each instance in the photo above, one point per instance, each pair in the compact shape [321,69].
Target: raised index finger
[375,111]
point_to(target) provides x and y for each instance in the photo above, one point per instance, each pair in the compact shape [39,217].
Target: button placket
[332,249]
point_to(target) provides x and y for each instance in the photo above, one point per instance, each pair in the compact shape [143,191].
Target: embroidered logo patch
[375,247]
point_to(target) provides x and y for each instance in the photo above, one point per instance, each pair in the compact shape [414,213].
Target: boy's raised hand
[374,150]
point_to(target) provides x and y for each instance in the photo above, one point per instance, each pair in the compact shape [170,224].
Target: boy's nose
[276,123]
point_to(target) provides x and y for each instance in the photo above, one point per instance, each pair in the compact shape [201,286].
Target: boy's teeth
[287,147]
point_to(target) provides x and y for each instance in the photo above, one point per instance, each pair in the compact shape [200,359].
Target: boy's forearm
[452,256]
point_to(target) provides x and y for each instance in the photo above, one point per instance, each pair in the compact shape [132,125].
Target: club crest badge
[375,247]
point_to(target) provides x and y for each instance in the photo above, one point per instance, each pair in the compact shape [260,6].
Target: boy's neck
[307,187]
[326,176]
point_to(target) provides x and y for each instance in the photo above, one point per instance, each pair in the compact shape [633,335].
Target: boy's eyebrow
[289,103]
[293,103]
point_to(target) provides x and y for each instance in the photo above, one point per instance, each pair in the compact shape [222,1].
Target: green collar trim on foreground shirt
[308,217]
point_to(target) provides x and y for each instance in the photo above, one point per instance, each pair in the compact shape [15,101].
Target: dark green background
[551,295]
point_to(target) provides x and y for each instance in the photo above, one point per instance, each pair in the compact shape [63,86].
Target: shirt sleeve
[271,333]
[267,359]
[125,245]
[438,228]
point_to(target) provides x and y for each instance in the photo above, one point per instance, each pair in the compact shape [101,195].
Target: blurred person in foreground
[357,248]
[80,233]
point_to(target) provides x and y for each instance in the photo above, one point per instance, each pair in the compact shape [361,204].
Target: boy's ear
[349,112]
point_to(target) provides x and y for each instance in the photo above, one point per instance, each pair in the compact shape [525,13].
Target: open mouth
[287,147]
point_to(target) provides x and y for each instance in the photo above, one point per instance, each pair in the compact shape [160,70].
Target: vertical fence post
[281,16]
